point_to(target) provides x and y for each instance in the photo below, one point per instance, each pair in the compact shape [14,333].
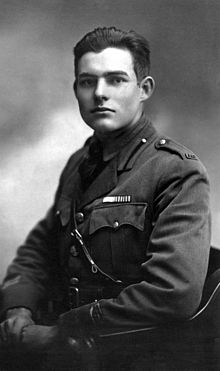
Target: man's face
[107,90]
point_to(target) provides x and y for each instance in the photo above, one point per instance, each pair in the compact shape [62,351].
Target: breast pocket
[118,238]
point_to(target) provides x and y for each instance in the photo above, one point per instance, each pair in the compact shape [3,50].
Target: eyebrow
[106,74]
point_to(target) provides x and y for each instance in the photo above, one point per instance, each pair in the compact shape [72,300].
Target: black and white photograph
[109,185]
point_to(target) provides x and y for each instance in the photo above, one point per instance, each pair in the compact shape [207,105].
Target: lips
[101,109]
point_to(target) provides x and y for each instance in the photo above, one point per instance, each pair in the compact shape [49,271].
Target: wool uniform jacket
[145,221]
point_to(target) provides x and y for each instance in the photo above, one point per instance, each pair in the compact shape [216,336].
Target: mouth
[101,109]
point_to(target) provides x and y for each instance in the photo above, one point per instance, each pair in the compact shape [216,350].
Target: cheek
[84,99]
[83,108]
[129,102]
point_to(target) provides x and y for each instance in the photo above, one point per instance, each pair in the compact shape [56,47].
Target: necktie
[92,164]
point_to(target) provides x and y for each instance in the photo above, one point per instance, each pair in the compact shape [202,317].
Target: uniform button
[79,217]
[162,142]
[143,140]
[73,251]
[116,224]
[74,281]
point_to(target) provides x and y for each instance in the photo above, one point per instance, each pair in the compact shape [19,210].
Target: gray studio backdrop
[39,122]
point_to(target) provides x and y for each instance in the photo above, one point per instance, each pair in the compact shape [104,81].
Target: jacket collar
[133,149]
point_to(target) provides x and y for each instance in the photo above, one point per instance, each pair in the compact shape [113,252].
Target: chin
[104,127]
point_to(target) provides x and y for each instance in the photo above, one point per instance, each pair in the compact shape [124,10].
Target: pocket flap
[114,216]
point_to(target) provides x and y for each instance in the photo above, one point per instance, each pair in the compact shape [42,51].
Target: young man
[128,235]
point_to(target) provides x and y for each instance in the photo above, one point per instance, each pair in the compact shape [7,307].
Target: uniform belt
[79,295]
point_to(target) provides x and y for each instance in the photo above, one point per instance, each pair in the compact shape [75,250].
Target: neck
[109,137]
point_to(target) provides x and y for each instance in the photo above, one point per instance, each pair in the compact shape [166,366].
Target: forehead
[109,59]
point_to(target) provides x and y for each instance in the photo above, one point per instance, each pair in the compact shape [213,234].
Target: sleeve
[177,258]
[26,277]
[37,260]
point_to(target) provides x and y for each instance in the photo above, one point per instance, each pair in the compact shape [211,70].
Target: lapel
[72,187]
[103,184]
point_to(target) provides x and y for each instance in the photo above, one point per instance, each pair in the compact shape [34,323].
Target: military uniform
[145,221]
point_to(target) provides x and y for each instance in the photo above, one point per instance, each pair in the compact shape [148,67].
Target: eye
[116,80]
[87,82]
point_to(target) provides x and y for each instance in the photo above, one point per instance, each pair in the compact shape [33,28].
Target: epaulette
[169,145]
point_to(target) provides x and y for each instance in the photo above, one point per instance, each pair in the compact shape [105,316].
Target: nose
[100,92]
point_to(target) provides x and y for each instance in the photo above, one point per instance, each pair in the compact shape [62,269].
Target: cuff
[19,295]
[18,311]
[87,320]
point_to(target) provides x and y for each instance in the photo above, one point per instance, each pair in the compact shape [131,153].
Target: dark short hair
[103,37]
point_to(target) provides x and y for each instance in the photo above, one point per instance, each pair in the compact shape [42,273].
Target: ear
[147,86]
